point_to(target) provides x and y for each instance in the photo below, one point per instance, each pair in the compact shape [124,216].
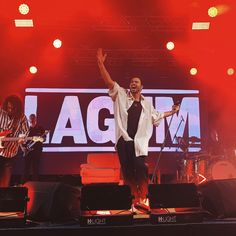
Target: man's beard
[134,90]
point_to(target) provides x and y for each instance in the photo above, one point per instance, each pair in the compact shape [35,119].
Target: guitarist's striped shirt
[21,127]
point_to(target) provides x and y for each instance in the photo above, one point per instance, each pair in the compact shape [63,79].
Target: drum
[189,167]
[196,167]
[201,167]
[195,170]
[221,169]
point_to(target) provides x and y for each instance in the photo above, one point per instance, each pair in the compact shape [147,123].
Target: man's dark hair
[17,105]
[32,115]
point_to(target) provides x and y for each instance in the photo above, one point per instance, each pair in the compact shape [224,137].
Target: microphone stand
[175,136]
[162,147]
[179,166]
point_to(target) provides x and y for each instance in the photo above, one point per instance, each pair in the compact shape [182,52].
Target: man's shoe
[133,210]
[142,207]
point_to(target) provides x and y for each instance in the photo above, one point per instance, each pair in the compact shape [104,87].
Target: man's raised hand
[100,56]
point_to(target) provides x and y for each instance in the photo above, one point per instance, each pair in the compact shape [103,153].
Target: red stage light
[230,71]
[33,69]
[170,45]
[24,9]
[57,43]
[193,71]
[212,11]
[218,10]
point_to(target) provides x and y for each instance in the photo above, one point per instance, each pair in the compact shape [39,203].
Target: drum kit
[202,166]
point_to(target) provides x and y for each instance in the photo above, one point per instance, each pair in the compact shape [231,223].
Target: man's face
[135,85]
[32,120]
[10,109]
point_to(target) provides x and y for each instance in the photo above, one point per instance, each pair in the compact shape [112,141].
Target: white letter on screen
[70,111]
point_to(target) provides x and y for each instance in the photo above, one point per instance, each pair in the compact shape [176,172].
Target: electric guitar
[3,138]
[28,147]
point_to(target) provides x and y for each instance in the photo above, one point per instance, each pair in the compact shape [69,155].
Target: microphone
[177,103]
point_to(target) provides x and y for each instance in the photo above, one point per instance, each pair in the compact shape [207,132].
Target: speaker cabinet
[218,197]
[13,206]
[105,197]
[53,201]
[173,196]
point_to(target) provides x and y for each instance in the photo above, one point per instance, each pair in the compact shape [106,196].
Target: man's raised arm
[104,73]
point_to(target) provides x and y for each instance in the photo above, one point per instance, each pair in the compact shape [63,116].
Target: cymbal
[197,156]
[200,154]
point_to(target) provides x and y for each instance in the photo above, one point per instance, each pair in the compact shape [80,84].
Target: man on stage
[134,120]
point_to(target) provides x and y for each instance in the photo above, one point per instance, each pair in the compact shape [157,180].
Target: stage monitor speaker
[13,206]
[53,201]
[13,199]
[173,196]
[218,197]
[105,197]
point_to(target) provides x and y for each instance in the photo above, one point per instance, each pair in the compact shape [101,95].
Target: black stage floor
[219,199]
[224,227]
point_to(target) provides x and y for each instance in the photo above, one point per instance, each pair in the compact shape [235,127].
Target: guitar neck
[16,138]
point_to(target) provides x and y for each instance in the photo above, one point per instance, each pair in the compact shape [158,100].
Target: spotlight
[24,9]
[33,69]
[193,71]
[212,11]
[230,71]
[57,43]
[24,23]
[200,25]
[170,45]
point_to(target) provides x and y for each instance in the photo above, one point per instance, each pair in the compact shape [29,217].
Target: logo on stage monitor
[82,120]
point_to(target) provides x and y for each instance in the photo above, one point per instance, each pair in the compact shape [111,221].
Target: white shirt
[123,100]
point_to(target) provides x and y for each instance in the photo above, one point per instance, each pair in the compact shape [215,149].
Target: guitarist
[33,150]
[13,119]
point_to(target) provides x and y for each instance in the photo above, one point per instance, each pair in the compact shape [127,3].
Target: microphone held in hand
[177,103]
